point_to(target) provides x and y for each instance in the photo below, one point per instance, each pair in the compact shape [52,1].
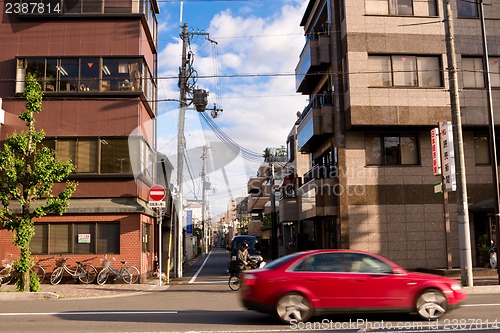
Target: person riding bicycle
[243,257]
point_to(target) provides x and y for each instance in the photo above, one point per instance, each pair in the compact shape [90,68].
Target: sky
[244,53]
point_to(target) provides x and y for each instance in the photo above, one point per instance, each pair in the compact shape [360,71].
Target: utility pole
[200,97]
[274,218]
[181,146]
[456,119]
[203,205]
[492,135]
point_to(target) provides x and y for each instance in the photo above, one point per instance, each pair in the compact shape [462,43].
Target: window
[84,239]
[122,74]
[102,155]
[108,238]
[88,75]
[404,71]
[115,156]
[468,8]
[401,7]
[146,237]
[328,262]
[362,263]
[482,149]
[59,238]
[391,150]
[472,69]
[86,156]
[81,238]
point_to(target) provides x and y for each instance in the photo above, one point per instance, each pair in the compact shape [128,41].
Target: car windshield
[280,261]
[250,241]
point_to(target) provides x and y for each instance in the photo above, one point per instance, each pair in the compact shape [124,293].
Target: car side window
[362,263]
[324,262]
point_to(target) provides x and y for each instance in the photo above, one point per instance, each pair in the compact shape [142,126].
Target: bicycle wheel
[131,274]
[6,275]
[102,277]
[86,273]
[39,271]
[56,275]
[234,282]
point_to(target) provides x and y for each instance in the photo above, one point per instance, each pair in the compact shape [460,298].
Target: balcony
[316,122]
[314,59]
[319,194]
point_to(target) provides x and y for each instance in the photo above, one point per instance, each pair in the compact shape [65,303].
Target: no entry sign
[157,193]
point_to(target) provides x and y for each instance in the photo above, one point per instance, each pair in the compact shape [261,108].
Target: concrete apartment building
[376,73]
[97,64]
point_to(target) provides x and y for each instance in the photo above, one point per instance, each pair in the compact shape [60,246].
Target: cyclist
[243,257]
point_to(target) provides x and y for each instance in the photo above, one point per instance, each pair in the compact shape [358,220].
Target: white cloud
[259,100]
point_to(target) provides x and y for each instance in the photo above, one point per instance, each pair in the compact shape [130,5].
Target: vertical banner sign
[447,156]
[189,218]
[436,151]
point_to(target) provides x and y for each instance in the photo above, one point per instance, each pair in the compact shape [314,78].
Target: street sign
[447,156]
[157,204]
[436,151]
[157,193]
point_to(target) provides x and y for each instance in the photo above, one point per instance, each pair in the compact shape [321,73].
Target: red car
[304,284]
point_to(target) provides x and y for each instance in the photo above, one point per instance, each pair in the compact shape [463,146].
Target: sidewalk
[69,289]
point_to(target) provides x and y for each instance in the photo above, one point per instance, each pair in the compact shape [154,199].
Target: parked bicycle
[7,272]
[85,273]
[130,274]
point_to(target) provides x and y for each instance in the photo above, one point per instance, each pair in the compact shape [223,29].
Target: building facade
[376,74]
[96,62]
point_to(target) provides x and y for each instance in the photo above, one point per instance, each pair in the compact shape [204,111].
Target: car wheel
[293,307]
[431,304]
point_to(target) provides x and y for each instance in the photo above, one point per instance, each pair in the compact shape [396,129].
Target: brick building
[97,63]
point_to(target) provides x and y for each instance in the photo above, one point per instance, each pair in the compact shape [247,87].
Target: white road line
[494,304]
[211,282]
[85,313]
[199,270]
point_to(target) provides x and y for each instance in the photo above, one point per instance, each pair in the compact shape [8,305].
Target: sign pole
[157,195]
[159,245]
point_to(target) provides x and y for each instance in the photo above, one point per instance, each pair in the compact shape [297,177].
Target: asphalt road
[202,302]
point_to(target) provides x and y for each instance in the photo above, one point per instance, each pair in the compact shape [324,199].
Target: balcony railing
[317,102]
[321,172]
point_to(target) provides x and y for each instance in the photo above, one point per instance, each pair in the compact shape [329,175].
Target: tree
[28,173]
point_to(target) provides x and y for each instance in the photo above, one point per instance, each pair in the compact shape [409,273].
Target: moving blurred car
[317,282]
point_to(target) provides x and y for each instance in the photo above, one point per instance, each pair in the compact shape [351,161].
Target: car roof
[317,251]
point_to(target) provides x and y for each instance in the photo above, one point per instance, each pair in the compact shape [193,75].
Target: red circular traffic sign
[157,193]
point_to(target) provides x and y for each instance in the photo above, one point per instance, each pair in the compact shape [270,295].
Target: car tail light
[250,279]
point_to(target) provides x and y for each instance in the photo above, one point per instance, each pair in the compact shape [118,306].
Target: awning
[482,206]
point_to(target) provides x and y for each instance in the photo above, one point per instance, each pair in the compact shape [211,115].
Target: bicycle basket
[60,262]
[106,263]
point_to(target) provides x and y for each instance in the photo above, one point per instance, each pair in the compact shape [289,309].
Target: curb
[479,290]
[23,296]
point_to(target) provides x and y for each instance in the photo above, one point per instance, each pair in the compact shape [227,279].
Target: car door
[324,276]
[375,285]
